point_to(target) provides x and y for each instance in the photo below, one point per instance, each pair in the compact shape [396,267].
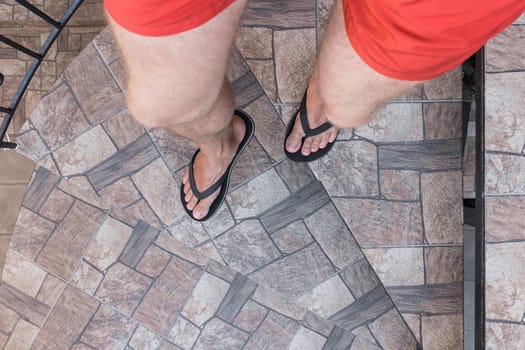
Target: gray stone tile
[264,71]
[108,330]
[505,174]
[86,278]
[221,336]
[276,332]
[305,339]
[442,195]
[247,247]
[327,298]
[443,120]
[175,149]
[31,145]
[220,222]
[394,122]
[339,339]
[25,306]
[154,261]
[377,222]
[144,339]
[398,266]
[141,238]
[333,236]
[246,89]
[221,271]
[189,232]
[252,162]
[250,316]
[291,14]
[295,175]
[504,335]
[123,129]
[350,169]
[447,86]
[503,52]
[125,162]
[297,206]
[391,332]
[317,324]
[429,299]
[42,184]
[30,233]
[279,303]
[293,237]
[424,156]
[363,310]
[167,242]
[183,334]
[205,299]
[301,271]
[238,293]
[399,184]
[258,195]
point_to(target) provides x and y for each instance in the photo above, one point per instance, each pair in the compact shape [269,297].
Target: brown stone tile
[57,205]
[31,145]
[275,332]
[166,297]
[122,193]
[448,86]
[27,307]
[81,188]
[62,252]
[92,83]
[264,71]
[289,14]
[327,298]
[122,128]
[350,169]
[106,45]
[444,264]
[123,288]
[154,261]
[270,130]
[108,330]
[443,120]
[42,183]
[86,278]
[360,278]
[254,42]
[295,175]
[505,130]
[51,290]
[10,200]
[442,196]
[236,65]
[22,336]
[398,266]
[119,73]
[8,319]
[442,332]
[3,340]
[48,118]
[246,89]
[221,336]
[503,52]
[414,323]
[376,222]
[392,333]
[176,149]
[504,215]
[294,57]
[292,237]
[108,244]
[189,232]
[22,274]
[67,320]
[252,162]
[430,299]
[250,316]
[83,153]
[504,285]
[505,174]
[139,211]
[394,122]
[399,184]
[163,194]
[31,233]
[15,167]
[504,336]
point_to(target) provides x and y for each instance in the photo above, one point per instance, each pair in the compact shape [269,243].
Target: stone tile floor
[394,191]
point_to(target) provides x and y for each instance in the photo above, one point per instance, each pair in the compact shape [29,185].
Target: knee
[168,109]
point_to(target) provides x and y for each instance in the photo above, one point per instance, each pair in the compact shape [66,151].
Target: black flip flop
[224,181]
[298,156]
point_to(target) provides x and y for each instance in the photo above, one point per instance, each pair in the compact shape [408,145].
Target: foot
[209,166]
[315,119]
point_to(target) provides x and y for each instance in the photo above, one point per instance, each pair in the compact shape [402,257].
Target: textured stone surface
[254,42]
[122,128]
[504,336]
[56,205]
[350,169]
[292,237]
[144,339]
[278,303]
[123,288]
[27,307]
[447,86]
[442,332]
[264,72]
[294,55]
[504,52]
[504,215]
[153,261]
[7,320]
[30,233]
[247,247]
[443,120]
[442,206]
[221,336]
[398,335]
[22,336]
[375,222]
[276,332]
[444,264]
[291,269]
[250,316]
[205,299]
[141,238]
[295,175]
[394,122]
[87,278]
[330,231]
[257,195]
[183,333]
[307,340]
[108,330]
[505,174]
[177,151]
[398,266]
[505,127]
[22,274]
[503,289]
[399,184]
[431,299]
[360,278]
[327,298]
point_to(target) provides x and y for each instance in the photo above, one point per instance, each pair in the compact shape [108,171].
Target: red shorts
[402,39]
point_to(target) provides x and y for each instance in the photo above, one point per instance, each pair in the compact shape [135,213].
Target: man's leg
[343,89]
[178,82]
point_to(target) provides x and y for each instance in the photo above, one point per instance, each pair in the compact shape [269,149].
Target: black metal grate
[38,56]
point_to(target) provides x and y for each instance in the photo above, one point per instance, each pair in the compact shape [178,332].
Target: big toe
[294,141]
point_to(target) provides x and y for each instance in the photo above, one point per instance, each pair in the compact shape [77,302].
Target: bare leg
[342,89]
[178,82]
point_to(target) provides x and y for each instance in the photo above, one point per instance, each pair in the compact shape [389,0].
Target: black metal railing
[37,56]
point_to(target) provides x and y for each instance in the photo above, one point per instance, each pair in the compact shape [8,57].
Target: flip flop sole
[250,130]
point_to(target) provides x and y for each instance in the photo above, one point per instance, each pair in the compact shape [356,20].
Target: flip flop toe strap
[210,190]
[304,122]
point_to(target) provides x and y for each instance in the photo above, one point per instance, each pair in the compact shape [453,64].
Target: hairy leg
[178,82]
[343,89]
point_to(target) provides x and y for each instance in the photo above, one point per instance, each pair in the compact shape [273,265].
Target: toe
[192,202]
[324,140]
[333,136]
[203,207]
[307,147]
[315,144]
[293,142]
